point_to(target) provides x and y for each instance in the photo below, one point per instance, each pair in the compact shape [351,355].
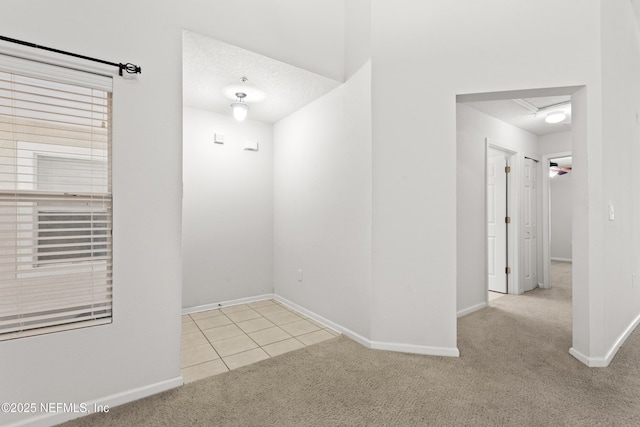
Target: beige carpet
[514,370]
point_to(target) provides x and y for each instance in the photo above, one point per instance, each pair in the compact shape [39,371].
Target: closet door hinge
[507,169]
[507,219]
[507,270]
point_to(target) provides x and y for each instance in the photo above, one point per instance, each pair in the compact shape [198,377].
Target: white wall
[617,299]
[473,127]
[464,47]
[140,352]
[227,217]
[357,35]
[636,8]
[322,187]
[559,142]
[561,211]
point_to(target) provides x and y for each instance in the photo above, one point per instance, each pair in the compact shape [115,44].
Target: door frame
[546,218]
[513,207]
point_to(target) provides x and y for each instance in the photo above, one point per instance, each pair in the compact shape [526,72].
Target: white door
[529,225]
[496,226]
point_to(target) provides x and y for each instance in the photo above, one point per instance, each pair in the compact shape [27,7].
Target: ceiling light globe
[240,110]
[556,117]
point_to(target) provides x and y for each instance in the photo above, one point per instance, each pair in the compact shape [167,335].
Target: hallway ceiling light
[242,95]
[555,117]
[240,109]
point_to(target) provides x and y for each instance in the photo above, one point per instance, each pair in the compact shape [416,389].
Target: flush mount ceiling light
[555,117]
[558,112]
[240,109]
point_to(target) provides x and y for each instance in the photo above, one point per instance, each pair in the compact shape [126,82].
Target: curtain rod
[128,67]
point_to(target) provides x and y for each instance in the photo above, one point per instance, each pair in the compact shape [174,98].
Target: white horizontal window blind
[55,199]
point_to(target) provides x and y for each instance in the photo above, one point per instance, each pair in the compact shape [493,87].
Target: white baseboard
[603,362]
[621,339]
[109,402]
[311,315]
[376,345]
[416,349]
[592,362]
[578,355]
[212,306]
[561,259]
[472,309]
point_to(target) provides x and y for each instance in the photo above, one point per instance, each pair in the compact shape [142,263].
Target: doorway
[557,212]
[512,220]
[479,115]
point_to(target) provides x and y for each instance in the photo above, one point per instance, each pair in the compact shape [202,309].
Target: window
[62,228]
[55,199]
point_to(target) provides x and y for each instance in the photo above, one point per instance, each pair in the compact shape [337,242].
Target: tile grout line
[243,332]
[288,310]
[261,316]
[251,338]
[235,324]
[248,336]
[210,344]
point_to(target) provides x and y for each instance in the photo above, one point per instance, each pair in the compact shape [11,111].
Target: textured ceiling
[515,113]
[209,65]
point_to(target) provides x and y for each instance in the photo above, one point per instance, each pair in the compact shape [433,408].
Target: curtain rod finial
[129,68]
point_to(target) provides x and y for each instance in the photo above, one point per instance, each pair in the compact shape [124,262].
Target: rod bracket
[129,68]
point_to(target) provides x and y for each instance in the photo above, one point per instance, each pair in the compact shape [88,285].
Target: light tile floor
[219,340]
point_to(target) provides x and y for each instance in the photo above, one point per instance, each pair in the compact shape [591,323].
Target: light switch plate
[218,138]
[612,213]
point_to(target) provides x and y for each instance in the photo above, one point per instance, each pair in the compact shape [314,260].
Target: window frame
[77,77]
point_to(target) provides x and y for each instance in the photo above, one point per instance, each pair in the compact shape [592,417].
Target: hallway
[541,318]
